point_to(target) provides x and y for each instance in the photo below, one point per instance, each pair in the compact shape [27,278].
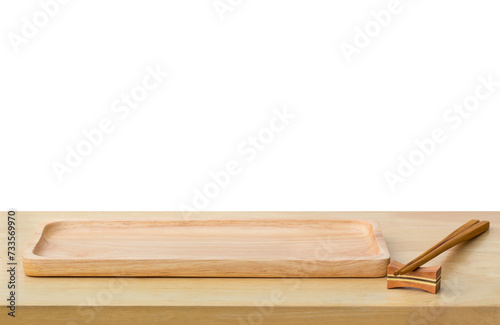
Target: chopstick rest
[429,278]
[424,278]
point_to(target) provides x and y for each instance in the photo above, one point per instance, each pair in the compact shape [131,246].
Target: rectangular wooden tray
[207,248]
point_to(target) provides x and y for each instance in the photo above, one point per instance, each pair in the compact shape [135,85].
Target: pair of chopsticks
[468,231]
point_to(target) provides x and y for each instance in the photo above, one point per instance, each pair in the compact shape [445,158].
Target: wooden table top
[470,291]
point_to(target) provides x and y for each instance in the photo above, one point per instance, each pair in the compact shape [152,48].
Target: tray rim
[29,255]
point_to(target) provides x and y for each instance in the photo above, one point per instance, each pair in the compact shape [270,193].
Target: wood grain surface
[207,248]
[470,284]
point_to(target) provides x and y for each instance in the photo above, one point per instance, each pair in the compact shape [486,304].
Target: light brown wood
[469,292]
[451,235]
[207,248]
[464,235]
[424,278]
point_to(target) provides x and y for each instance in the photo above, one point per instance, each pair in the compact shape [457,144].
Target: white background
[226,76]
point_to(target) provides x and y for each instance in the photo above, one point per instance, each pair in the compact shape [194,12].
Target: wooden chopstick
[451,235]
[462,236]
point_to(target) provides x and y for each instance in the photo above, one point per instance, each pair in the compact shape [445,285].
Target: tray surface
[215,248]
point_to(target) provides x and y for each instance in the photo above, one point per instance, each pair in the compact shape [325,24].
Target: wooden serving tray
[207,248]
